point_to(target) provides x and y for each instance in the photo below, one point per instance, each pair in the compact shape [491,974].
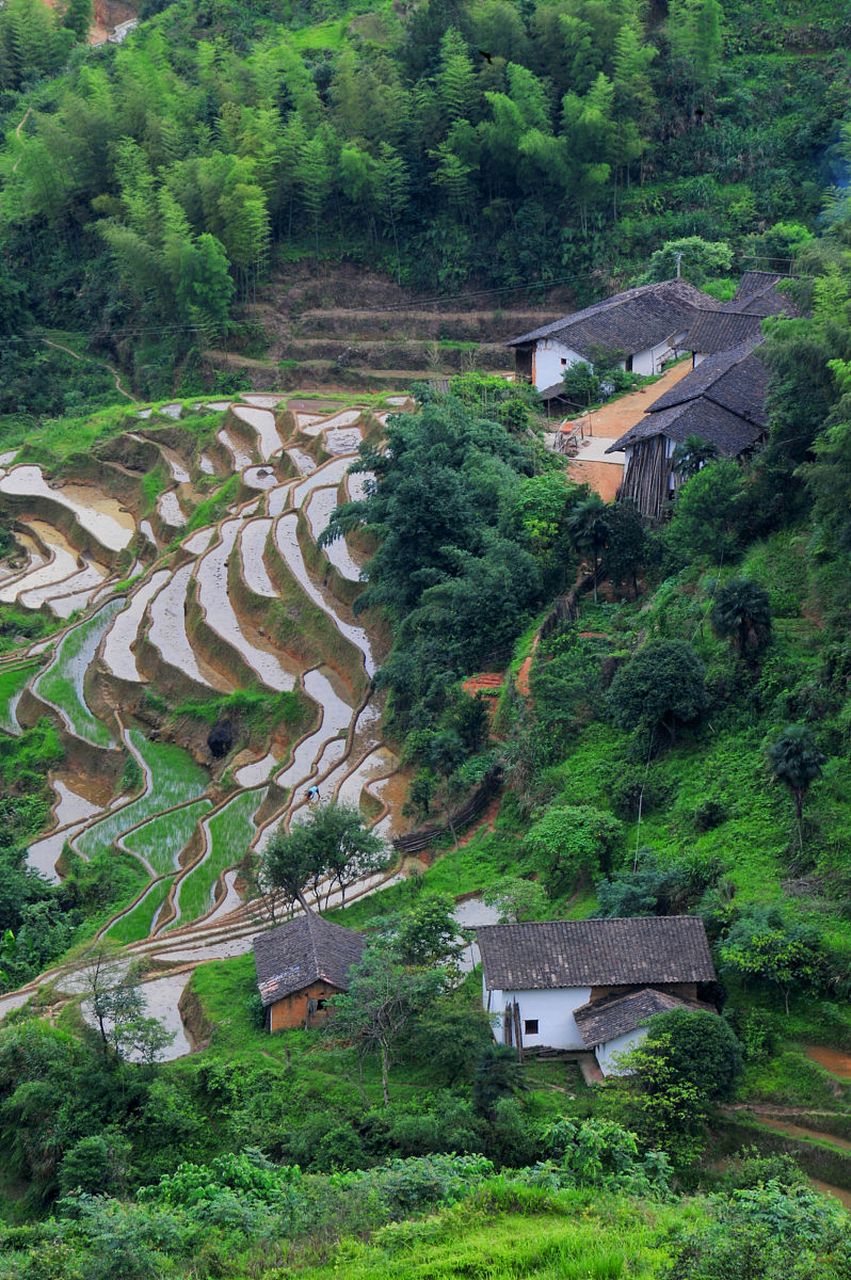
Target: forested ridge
[149,189]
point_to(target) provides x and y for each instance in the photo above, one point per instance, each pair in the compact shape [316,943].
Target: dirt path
[83,359]
[837,1062]
[607,424]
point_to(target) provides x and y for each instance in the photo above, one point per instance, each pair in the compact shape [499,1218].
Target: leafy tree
[695,36]
[661,687]
[701,1047]
[796,760]
[742,613]
[498,1076]
[516,899]
[569,843]
[426,935]
[78,17]
[665,1107]
[450,1034]
[382,1000]
[580,383]
[762,945]
[828,481]
[708,514]
[333,844]
[589,525]
[699,259]
[114,998]
[97,1165]
[627,544]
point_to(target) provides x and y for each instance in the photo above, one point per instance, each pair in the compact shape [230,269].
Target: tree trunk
[385,1072]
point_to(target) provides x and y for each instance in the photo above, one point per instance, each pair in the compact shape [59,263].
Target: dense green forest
[150,189]
[676,741]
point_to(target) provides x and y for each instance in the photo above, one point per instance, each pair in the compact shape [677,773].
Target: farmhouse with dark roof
[639,329]
[722,402]
[591,985]
[300,965]
[740,319]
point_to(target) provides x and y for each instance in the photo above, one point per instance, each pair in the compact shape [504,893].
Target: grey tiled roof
[722,401]
[629,322]
[305,950]
[602,1020]
[640,950]
[721,330]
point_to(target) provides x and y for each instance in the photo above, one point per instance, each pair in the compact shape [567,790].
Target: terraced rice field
[171,778]
[229,834]
[61,684]
[181,616]
[13,681]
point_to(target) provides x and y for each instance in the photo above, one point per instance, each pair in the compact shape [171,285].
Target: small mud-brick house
[300,966]
[591,985]
[639,329]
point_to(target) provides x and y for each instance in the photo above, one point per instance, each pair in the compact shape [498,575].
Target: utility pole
[678,258]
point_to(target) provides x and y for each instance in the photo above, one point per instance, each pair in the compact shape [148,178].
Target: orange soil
[486,819]
[833,1060]
[486,680]
[612,421]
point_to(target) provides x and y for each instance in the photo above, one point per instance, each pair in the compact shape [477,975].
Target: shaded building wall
[299,1009]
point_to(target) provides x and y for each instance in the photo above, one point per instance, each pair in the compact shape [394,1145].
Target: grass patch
[231,831]
[175,777]
[62,682]
[161,841]
[30,624]
[212,509]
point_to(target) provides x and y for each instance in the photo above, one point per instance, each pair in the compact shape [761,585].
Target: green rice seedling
[61,684]
[12,681]
[161,840]
[137,924]
[231,831]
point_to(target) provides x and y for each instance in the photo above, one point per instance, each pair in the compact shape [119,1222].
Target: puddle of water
[35,649]
[319,508]
[337,715]
[337,441]
[398,399]
[42,854]
[199,541]
[170,511]
[7,458]
[70,806]
[344,419]
[144,413]
[256,771]
[252,544]
[64,605]
[117,654]
[167,632]
[259,478]
[231,899]
[263,401]
[378,762]
[175,464]
[162,996]
[263,422]
[219,405]
[63,562]
[470,914]
[302,461]
[221,616]
[170,410]
[287,543]
[331,473]
[102,517]
[147,530]
[306,420]
[206,465]
[80,584]
[240,458]
[279,499]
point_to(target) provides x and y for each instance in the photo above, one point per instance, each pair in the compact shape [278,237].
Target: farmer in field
[313,794]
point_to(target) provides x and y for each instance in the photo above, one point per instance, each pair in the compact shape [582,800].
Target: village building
[300,966]
[639,329]
[590,985]
[739,320]
[722,402]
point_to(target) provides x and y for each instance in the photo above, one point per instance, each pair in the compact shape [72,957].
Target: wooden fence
[416,841]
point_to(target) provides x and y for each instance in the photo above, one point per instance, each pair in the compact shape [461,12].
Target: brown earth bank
[836,1061]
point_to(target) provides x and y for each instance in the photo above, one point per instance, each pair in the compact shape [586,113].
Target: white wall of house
[552,1010]
[606,1054]
[551,358]
[698,357]
[650,361]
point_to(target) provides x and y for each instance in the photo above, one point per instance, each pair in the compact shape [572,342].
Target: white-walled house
[591,985]
[640,329]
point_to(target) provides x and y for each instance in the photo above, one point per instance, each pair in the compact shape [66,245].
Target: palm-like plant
[588,526]
[796,760]
[742,613]
[692,454]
